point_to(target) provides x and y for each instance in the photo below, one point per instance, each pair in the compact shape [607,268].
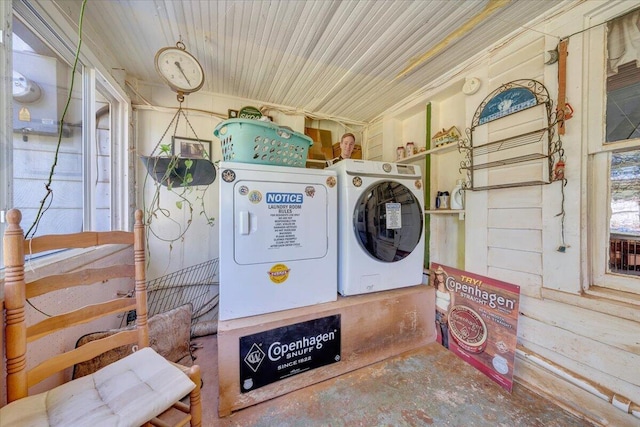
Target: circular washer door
[388,221]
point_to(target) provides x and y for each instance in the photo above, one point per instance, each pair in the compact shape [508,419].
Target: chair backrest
[16,293]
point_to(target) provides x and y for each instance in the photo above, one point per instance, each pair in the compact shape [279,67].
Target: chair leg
[195,407]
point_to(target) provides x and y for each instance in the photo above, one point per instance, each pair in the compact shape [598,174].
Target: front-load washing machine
[380,226]
[278,238]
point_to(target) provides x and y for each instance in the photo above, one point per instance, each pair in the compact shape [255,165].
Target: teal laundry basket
[255,141]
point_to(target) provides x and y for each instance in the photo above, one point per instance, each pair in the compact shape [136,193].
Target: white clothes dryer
[278,238]
[380,226]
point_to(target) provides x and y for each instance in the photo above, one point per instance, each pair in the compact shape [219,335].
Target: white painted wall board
[530,68]
[524,172]
[523,197]
[448,167]
[373,147]
[450,113]
[375,153]
[443,240]
[530,284]
[200,242]
[619,364]
[588,324]
[562,271]
[513,55]
[509,259]
[556,274]
[414,129]
[511,174]
[392,138]
[568,395]
[476,231]
[529,120]
[514,239]
[524,218]
[623,387]
[523,150]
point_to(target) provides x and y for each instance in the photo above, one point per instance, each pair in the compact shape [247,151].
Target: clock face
[471,86]
[179,69]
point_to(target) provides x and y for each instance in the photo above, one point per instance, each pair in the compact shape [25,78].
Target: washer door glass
[388,221]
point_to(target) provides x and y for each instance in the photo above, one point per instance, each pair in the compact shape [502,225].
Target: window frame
[45,21]
[598,159]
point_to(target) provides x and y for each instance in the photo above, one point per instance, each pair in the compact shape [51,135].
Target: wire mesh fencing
[196,285]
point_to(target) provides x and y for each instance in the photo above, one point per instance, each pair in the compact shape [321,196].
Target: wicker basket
[253,141]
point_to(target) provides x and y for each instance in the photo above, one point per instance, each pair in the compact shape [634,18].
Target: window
[89,187]
[616,216]
[624,221]
[41,84]
[623,124]
[623,78]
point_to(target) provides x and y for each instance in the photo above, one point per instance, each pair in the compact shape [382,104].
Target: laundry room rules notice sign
[477,319]
[270,356]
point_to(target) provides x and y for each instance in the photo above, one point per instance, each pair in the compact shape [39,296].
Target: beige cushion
[169,336]
[128,392]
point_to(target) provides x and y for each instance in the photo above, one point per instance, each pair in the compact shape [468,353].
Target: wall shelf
[511,185]
[445,148]
[509,161]
[513,142]
[459,212]
[535,147]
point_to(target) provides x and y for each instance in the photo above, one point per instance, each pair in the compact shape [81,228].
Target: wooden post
[140,279]
[14,301]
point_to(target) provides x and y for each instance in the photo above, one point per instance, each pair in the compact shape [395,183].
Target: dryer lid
[279,221]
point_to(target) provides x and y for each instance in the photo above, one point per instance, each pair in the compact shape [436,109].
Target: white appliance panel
[276,258]
[380,226]
[290,223]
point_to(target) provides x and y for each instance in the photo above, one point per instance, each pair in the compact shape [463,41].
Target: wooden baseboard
[569,396]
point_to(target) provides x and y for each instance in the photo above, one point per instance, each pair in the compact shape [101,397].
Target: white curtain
[623,41]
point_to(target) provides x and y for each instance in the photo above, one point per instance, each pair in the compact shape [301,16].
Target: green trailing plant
[177,176]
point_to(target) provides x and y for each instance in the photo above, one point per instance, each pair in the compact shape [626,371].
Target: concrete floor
[426,387]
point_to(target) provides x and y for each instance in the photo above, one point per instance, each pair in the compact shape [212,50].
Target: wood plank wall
[513,235]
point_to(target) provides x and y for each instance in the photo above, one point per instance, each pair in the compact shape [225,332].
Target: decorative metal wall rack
[509,99]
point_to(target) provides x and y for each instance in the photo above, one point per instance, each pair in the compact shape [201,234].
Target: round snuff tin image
[279,273]
[468,329]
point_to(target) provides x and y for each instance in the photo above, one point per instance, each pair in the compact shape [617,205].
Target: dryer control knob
[386,167]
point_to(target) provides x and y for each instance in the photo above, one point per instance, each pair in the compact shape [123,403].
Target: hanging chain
[167,129]
[176,119]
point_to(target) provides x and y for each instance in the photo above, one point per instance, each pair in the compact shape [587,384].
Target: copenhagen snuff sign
[477,319]
[273,355]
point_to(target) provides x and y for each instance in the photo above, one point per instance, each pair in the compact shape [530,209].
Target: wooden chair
[132,391]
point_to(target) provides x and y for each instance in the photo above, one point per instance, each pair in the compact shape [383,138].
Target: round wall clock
[179,69]
[471,86]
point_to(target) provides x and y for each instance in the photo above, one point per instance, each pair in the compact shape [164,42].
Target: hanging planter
[176,171]
[185,162]
[184,168]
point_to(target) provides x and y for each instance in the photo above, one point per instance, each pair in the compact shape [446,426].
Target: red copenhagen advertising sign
[477,319]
